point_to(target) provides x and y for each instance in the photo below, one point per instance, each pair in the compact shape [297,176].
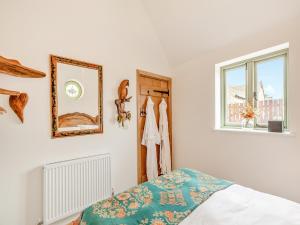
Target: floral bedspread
[166,200]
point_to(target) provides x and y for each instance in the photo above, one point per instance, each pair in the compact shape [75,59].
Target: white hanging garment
[165,153]
[150,139]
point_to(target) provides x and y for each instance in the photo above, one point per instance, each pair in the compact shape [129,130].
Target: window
[259,81]
[234,94]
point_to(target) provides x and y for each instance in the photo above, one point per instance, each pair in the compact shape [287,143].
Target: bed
[238,205]
[189,197]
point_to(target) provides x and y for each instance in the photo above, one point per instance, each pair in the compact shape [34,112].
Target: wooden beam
[9,92]
[15,68]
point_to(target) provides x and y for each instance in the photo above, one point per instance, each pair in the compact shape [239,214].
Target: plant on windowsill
[248,115]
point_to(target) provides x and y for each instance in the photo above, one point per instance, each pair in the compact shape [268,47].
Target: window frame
[251,85]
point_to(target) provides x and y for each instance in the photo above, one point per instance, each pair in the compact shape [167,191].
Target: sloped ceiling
[189,28]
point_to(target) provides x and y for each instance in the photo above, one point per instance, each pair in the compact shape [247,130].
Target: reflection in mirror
[76,97]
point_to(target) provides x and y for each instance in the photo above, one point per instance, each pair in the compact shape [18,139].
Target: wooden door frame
[139,74]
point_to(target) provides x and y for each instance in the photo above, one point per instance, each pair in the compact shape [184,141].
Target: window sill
[254,131]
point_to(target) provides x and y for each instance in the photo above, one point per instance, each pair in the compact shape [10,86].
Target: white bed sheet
[238,205]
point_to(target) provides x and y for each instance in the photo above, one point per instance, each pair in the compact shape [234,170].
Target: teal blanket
[166,200]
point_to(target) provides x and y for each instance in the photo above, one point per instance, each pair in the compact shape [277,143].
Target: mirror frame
[54,102]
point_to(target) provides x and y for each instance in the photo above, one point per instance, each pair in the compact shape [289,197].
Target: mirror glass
[76,97]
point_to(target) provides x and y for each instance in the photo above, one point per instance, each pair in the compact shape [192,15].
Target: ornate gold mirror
[76,97]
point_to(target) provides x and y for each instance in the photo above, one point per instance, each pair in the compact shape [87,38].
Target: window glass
[270,75]
[235,94]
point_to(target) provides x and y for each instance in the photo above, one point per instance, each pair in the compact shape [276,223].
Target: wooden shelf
[9,92]
[15,68]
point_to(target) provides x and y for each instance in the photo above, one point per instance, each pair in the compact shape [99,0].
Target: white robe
[150,139]
[165,153]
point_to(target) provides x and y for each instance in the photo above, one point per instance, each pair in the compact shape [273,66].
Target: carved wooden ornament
[18,103]
[123,115]
[17,100]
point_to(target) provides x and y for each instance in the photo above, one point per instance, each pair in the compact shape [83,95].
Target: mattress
[167,200]
[238,205]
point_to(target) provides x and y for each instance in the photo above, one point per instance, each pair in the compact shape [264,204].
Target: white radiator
[71,186]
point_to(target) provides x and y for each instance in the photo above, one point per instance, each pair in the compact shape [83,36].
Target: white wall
[269,163]
[113,33]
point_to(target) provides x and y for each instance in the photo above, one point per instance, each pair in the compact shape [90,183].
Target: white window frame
[250,61]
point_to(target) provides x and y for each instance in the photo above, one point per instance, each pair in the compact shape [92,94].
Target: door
[158,87]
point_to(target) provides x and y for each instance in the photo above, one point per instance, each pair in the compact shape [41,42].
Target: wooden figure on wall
[123,115]
[17,101]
